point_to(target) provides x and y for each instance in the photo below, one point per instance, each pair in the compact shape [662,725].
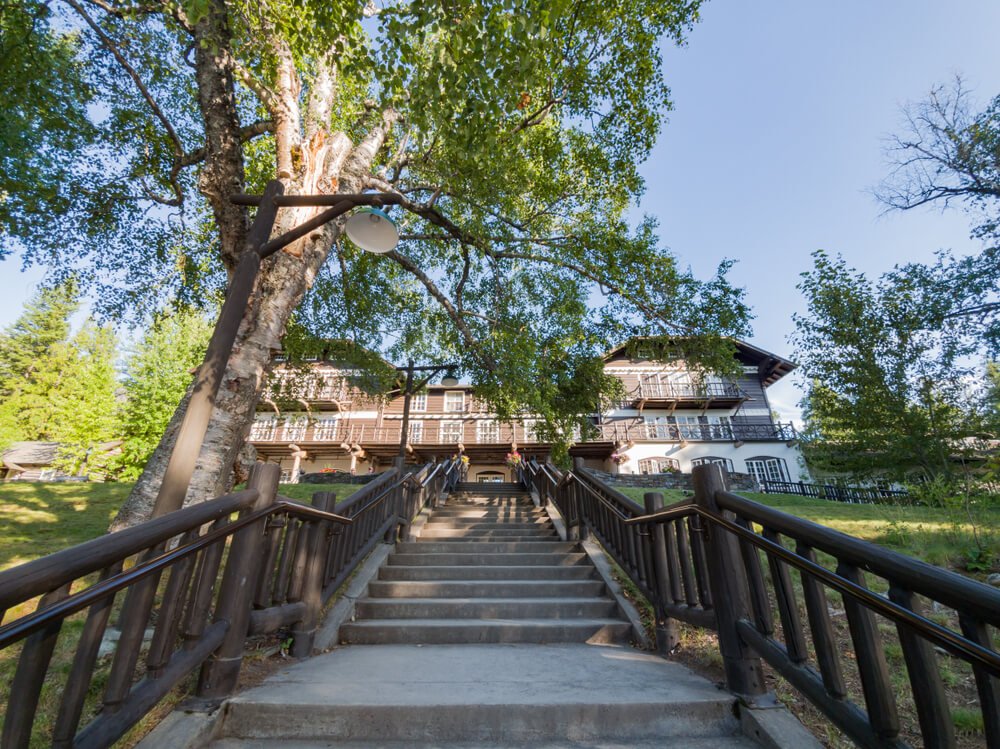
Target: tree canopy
[57,386]
[511,131]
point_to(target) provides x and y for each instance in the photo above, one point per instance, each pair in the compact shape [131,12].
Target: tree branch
[248,132]
[468,337]
[178,148]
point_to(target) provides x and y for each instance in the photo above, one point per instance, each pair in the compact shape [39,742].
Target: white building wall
[684,454]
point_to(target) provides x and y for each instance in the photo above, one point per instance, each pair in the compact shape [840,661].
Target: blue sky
[781,111]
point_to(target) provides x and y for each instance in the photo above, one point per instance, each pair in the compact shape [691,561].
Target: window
[416,432]
[454,401]
[688,427]
[660,428]
[295,427]
[726,463]
[263,427]
[720,427]
[765,468]
[325,429]
[418,402]
[659,465]
[490,477]
[530,427]
[487,431]
[452,432]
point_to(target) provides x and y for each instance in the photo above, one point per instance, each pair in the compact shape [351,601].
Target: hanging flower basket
[513,459]
[619,458]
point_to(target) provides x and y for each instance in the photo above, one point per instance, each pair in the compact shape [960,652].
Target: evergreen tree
[159,372]
[33,354]
[56,387]
[85,405]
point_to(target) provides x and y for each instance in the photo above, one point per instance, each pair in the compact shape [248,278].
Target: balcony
[430,432]
[664,394]
[780,432]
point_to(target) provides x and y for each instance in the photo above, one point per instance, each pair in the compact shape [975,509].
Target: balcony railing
[694,432]
[689,391]
[432,433]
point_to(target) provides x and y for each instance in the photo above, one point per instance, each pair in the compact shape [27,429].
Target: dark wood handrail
[39,576]
[699,561]
[942,636]
[943,585]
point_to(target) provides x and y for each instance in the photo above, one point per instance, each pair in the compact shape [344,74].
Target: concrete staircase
[487,631]
[488,567]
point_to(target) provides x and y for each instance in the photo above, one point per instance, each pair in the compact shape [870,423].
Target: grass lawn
[37,519]
[945,537]
[41,518]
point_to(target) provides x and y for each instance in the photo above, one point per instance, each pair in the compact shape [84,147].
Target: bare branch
[468,337]
[178,148]
[247,133]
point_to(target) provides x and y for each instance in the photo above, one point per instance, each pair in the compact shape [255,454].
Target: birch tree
[512,130]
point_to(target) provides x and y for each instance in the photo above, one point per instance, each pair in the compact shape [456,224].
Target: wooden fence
[723,562]
[200,580]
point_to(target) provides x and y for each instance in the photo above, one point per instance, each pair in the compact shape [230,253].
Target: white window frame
[326,428]
[418,402]
[261,433]
[726,463]
[487,431]
[656,464]
[449,404]
[529,428]
[452,432]
[688,427]
[295,427]
[660,428]
[720,427]
[767,468]
[415,432]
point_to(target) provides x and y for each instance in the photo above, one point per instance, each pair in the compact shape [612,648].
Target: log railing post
[304,631]
[667,636]
[220,673]
[730,592]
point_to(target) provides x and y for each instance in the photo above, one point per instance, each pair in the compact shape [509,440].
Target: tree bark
[330,163]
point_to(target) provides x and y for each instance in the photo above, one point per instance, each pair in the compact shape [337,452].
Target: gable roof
[30,453]
[771,366]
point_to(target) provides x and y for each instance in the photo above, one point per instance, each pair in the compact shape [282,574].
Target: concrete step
[479,524]
[472,546]
[460,631]
[484,588]
[481,511]
[729,742]
[541,696]
[482,608]
[497,529]
[494,572]
[455,558]
[487,536]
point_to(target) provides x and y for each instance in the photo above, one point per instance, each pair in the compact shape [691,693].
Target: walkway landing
[562,695]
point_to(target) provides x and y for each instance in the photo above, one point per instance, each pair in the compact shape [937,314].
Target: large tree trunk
[328,163]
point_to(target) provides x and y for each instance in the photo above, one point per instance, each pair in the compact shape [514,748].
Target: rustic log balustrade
[211,580]
[724,562]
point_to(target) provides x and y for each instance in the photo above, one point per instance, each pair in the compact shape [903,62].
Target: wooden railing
[200,581]
[850,494]
[724,562]
[651,432]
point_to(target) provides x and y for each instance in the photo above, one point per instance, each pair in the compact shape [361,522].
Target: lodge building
[669,421]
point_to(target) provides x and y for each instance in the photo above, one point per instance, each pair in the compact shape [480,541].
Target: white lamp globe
[372,230]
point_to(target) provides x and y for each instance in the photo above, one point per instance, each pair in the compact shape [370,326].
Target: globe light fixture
[372,230]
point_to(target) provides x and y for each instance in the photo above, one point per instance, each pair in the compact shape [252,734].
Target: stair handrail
[272,567]
[699,561]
